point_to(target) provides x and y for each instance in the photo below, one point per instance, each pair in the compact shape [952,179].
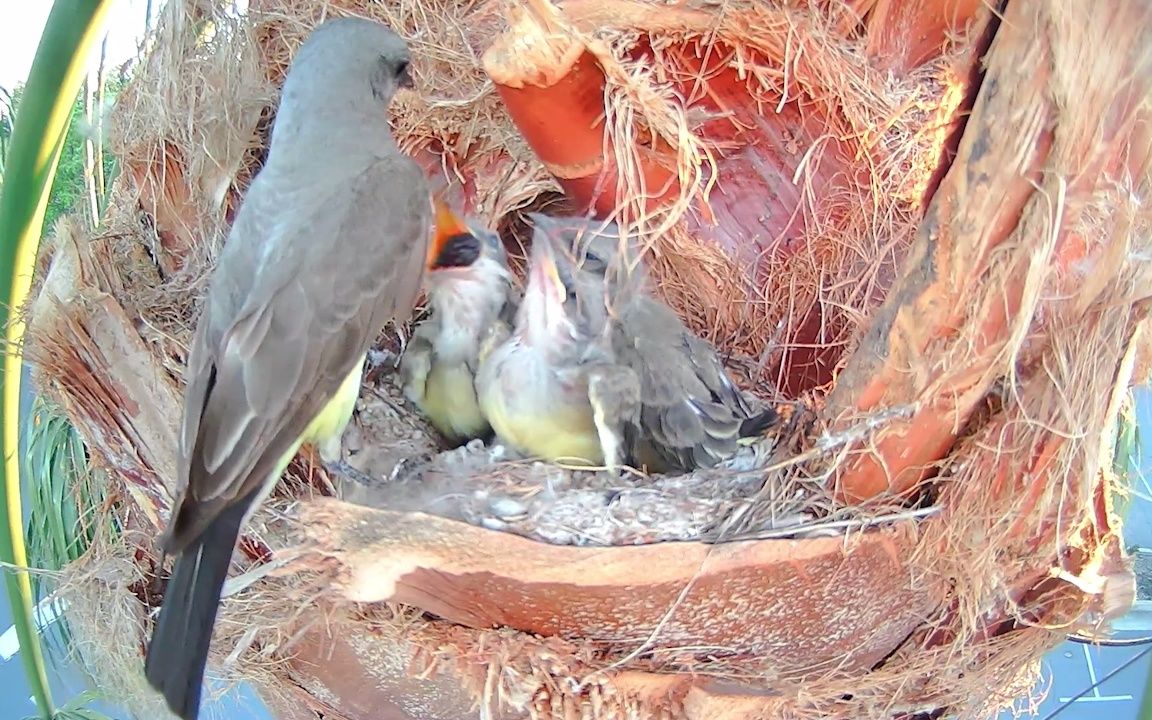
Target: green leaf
[70,34]
[76,710]
[1126,460]
[67,506]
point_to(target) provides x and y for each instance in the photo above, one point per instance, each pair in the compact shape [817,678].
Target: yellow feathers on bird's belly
[450,402]
[325,432]
[559,433]
[327,428]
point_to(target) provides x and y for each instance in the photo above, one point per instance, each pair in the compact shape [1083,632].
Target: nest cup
[919,226]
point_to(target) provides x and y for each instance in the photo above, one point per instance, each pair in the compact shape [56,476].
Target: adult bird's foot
[343,469]
[380,362]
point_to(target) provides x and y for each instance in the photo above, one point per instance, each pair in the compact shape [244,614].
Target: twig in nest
[817,529]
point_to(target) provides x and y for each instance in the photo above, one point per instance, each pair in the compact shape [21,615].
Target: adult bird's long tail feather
[759,423]
[179,648]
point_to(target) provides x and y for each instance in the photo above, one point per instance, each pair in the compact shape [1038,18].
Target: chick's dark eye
[593,263]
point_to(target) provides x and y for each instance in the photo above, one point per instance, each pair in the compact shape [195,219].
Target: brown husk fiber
[1028,350]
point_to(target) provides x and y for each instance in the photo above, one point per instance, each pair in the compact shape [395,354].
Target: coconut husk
[916,225]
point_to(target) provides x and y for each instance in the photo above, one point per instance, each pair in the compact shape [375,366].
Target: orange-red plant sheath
[976,209]
[904,34]
[483,578]
[969,66]
[564,124]
[957,277]
[756,209]
[164,195]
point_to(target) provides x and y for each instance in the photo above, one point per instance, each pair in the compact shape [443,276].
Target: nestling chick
[691,414]
[473,303]
[600,369]
[533,388]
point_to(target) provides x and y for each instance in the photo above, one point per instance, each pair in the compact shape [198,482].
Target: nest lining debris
[759,493]
[478,484]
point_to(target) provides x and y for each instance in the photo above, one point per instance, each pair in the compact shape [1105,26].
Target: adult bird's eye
[403,75]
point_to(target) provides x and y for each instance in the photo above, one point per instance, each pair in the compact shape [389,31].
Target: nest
[921,228]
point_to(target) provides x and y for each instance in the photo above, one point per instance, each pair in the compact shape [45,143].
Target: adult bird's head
[348,67]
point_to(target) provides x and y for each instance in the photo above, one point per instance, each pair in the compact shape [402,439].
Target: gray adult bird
[473,304]
[328,246]
[645,389]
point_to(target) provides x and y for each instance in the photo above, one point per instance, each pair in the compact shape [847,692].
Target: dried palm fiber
[939,210]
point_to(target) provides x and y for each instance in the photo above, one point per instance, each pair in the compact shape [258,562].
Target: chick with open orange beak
[473,304]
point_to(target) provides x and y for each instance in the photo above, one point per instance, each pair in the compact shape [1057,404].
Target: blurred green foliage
[68,186]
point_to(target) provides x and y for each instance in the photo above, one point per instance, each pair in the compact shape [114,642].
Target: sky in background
[24,21]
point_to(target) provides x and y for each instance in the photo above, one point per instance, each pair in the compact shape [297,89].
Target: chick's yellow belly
[450,403]
[556,431]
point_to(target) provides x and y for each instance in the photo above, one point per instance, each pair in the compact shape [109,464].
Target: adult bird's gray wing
[258,379]
[270,352]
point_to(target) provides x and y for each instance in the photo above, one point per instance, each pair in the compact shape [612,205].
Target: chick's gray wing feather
[267,360]
[691,413]
[511,306]
[416,362]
